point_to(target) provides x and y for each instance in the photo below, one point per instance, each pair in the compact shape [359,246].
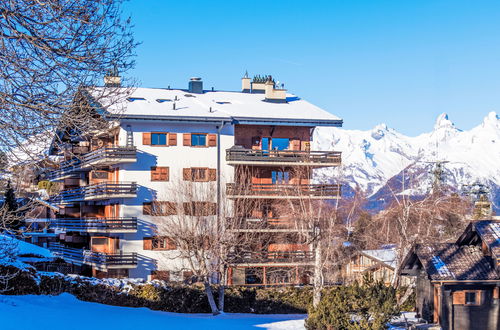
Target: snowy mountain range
[378,161]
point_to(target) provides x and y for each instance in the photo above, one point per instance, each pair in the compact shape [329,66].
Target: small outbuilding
[457,284]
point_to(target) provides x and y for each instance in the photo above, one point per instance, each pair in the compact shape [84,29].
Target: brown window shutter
[186,174]
[170,244]
[212,140]
[212,174]
[165,174]
[146,208]
[147,243]
[154,173]
[172,139]
[186,139]
[146,139]
[459,298]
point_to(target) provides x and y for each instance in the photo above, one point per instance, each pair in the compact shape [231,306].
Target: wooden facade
[457,284]
[274,163]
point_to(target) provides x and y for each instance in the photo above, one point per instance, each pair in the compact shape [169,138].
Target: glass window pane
[162,139]
[265,143]
[198,139]
[280,143]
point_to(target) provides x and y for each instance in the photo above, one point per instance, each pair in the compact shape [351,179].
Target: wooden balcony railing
[91,258]
[99,191]
[103,156]
[103,225]
[283,191]
[251,257]
[297,157]
[245,224]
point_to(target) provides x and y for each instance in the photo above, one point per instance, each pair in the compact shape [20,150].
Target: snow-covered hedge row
[156,295]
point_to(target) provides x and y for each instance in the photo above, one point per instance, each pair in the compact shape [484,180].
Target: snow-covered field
[67,312]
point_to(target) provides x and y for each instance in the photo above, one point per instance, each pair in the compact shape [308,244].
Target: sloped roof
[448,261]
[385,256]
[489,231]
[157,103]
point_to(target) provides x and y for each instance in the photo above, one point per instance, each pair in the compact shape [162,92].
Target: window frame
[148,208]
[166,173]
[477,297]
[165,134]
[204,135]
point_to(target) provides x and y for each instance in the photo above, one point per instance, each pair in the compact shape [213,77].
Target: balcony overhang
[102,191]
[97,158]
[284,191]
[94,225]
[250,157]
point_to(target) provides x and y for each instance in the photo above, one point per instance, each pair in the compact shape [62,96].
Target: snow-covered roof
[386,256]
[157,103]
[25,248]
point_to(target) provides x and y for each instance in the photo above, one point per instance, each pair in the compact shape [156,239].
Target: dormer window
[163,100]
[223,102]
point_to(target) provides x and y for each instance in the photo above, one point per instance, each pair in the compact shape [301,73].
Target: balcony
[266,225]
[272,257]
[283,191]
[101,191]
[237,156]
[101,261]
[100,157]
[94,225]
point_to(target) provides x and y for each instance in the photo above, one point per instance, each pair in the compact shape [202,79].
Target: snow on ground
[66,312]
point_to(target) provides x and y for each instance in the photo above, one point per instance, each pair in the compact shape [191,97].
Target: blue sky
[398,62]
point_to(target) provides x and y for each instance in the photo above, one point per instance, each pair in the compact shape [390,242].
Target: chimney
[112,78]
[275,95]
[246,84]
[195,85]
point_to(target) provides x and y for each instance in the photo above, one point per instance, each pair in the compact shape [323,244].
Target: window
[280,177]
[158,243]
[159,173]
[163,100]
[200,208]
[198,139]
[265,143]
[159,208]
[467,297]
[199,174]
[280,143]
[159,139]
[471,298]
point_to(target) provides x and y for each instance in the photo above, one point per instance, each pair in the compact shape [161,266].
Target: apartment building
[115,182]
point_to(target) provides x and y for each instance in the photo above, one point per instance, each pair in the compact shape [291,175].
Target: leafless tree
[206,236]
[50,52]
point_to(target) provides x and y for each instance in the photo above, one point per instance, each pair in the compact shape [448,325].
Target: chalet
[160,136]
[378,265]
[457,284]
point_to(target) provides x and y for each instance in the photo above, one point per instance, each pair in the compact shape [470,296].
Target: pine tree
[11,207]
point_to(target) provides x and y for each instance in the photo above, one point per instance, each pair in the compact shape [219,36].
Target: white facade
[176,158]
